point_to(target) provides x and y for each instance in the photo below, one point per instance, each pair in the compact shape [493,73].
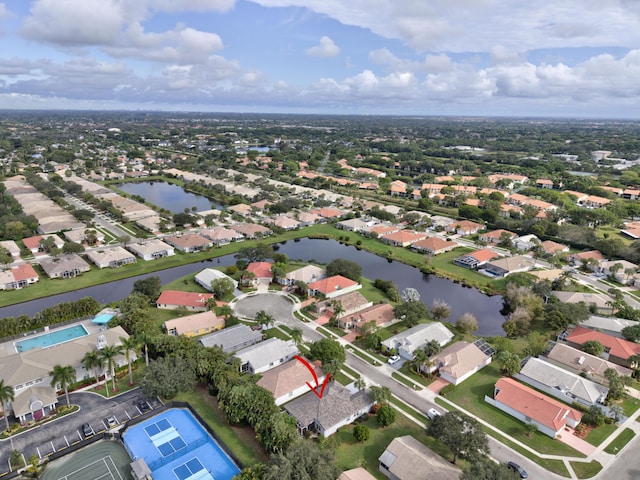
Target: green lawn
[406,382]
[586,470]
[241,441]
[415,377]
[277,333]
[620,441]
[185,284]
[444,263]
[598,435]
[409,410]
[366,358]
[470,396]
[351,454]
[630,405]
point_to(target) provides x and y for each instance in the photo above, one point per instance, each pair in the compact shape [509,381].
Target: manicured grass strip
[325,332]
[411,411]
[630,405]
[586,470]
[339,332]
[351,372]
[286,329]
[277,333]
[247,449]
[620,441]
[408,383]
[366,358]
[598,435]
[415,377]
[342,379]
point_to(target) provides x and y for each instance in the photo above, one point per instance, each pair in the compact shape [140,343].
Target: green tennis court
[104,460]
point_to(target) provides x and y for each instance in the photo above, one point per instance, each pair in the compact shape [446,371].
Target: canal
[461,299]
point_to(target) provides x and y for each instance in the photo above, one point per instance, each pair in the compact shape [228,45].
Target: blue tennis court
[171,446]
[188,469]
[155,428]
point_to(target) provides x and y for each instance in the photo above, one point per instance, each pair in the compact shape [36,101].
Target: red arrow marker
[315,378]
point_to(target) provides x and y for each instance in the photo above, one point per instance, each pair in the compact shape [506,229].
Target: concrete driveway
[58,434]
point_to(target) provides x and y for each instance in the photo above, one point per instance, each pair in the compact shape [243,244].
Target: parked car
[518,469]
[393,359]
[143,407]
[87,431]
[112,421]
[433,413]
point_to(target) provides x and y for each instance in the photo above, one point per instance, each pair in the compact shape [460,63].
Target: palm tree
[92,360]
[109,354]
[296,335]
[63,376]
[129,345]
[6,396]
[143,339]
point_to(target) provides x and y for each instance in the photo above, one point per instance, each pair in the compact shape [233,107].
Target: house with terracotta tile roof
[631,229]
[631,194]
[261,205]
[593,201]
[33,243]
[529,406]
[433,245]
[580,197]
[578,258]
[349,303]
[173,299]
[261,270]
[403,238]
[507,211]
[517,199]
[381,230]
[617,350]
[398,188]
[189,242]
[475,259]
[328,213]
[358,473]
[332,287]
[464,227]
[285,222]
[241,209]
[289,380]
[379,314]
[194,325]
[459,361]
[551,247]
[544,183]
[307,219]
[511,177]
[18,277]
[495,236]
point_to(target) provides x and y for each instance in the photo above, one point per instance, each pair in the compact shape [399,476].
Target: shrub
[444,391]
[386,415]
[361,433]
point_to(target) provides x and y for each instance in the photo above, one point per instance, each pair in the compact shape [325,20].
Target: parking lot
[96,411]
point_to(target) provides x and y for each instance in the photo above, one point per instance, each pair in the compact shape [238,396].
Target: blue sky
[417,57]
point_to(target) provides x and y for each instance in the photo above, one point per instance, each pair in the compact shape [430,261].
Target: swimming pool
[176,447]
[52,338]
[103,318]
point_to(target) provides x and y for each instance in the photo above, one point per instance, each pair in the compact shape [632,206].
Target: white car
[393,359]
[433,413]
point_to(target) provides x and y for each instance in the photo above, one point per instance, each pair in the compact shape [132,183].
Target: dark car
[87,431]
[143,407]
[517,468]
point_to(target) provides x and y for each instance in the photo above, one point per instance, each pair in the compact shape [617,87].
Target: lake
[168,196]
[461,299]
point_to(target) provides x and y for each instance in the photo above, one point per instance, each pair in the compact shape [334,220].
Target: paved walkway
[568,437]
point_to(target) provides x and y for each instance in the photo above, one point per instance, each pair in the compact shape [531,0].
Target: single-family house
[475,259]
[307,274]
[264,356]
[510,211]
[544,183]
[348,304]
[631,194]
[241,209]
[496,236]
[261,272]
[593,201]
[403,238]
[617,350]
[289,380]
[11,247]
[583,257]
[221,235]
[332,287]
[517,199]
[377,315]
[593,300]
[460,360]
[174,299]
[398,188]
[327,213]
[440,221]
[307,219]
[631,229]
[405,458]
[189,242]
[503,267]
[380,230]
[208,275]
[433,245]
[610,325]
[622,270]
[560,383]
[464,227]
[18,277]
[579,196]
[285,222]
[80,236]
[550,247]
[339,406]
[582,363]
[65,266]
[252,231]
[35,243]
[407,342]
[232,339]
[194,325]
[529,406]
[355,224]
[358,473]
[151,249]
[525,242]
[111,257]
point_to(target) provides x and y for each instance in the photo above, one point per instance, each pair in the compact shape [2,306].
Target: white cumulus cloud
[325,49]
